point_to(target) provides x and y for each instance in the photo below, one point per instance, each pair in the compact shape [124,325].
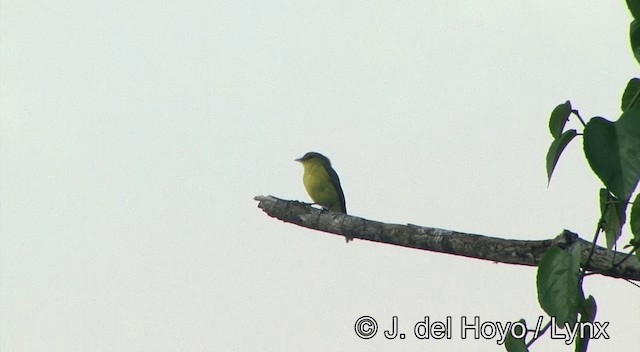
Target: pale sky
[135,134]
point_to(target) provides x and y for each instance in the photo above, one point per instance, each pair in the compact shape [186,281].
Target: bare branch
[446,241]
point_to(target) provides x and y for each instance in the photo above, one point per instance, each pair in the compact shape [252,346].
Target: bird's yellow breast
[318,184]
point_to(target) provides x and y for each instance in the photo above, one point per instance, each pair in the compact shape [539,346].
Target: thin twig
[542,331]
[630,254]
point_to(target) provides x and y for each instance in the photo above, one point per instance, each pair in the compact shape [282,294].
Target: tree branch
[446,241]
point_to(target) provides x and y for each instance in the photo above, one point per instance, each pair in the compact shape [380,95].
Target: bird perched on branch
[322,183]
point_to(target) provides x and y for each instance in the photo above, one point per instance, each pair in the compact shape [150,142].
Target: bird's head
[313,157]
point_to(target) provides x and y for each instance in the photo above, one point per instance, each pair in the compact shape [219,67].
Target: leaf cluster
[612,150]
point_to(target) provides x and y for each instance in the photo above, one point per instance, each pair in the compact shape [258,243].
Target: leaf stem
[593,247]
[542,331]
[575,112]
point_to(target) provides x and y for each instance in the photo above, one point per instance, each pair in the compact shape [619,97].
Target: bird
[322,183]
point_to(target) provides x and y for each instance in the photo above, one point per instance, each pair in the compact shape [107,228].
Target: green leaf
[559,117]
[631,95]
[635,223]
[634,37]
[557,283]
[613,152]
[634,8]
[635,218]
[512,344]
[588,309]
[555,150]
[614,215]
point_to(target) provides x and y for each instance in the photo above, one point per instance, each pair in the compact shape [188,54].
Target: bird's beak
[298,160]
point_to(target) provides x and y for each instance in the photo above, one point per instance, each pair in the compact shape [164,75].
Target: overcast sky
[135,134]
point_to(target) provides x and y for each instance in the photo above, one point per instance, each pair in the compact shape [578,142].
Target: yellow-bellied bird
[322,183]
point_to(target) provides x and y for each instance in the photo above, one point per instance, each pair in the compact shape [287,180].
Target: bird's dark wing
[336,183]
